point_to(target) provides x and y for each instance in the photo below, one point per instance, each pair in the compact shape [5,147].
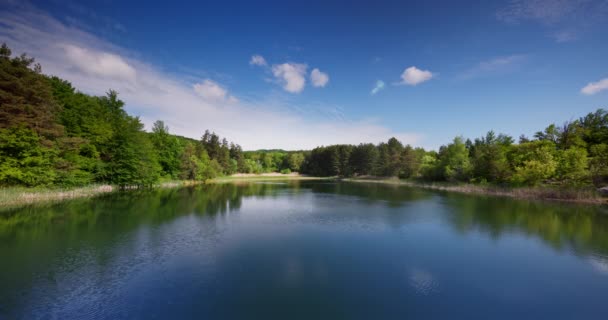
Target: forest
[53,135]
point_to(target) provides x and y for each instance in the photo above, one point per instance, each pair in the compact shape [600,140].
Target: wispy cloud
[318,78]
[543,11]
[379,86]
[594,87]
[564,36]
[413,76]
[497,65]
[565,19]
[94,65]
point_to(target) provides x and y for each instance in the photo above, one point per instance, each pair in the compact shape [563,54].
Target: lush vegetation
[51,134]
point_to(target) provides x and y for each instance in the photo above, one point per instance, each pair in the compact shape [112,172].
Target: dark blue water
[314,250]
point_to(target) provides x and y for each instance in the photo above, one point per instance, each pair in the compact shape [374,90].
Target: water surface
[303,250]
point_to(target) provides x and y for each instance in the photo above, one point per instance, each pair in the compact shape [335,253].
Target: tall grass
[11,197]
[587,195]
[17,196]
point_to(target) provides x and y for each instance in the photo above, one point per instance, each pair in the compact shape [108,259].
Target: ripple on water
[422,281]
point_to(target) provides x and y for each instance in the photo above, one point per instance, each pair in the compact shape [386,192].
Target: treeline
[574,154]
[51,134]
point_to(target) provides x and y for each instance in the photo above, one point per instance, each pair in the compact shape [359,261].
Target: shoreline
[245,177]
[15,197]
[527,193]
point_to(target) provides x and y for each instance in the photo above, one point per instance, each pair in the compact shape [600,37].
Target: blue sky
[447,68]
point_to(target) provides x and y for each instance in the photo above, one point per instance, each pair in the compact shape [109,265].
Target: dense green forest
[52,134]
[573,155]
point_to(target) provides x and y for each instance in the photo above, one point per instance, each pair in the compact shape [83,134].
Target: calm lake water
[304,250]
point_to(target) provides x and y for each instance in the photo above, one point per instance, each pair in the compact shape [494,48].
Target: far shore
[244,177]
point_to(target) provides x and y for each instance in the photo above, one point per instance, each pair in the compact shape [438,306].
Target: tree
[429,167]
[594,127]
[598,164]
[453,161]
[294,161]
[23,159]
[489,157]
[129,156]
[363,159]
[534,162]
[411,161]
[236,153]
[168,149]
[572,166]
[26,97]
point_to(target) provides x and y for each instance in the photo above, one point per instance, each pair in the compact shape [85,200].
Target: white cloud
[318,78]
[595,87]
[257,60]
[211,90]
[151,93]
[379,86]
[292,76]
[413,76]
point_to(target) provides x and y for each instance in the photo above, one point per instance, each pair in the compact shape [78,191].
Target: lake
[303,250]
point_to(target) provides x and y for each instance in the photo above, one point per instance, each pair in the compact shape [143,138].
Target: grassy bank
[19,196]
[579,195]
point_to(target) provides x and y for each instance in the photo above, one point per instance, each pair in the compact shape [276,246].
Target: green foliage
[534,162]
[23,159]
[26,98]
[573,165]
[294,161]
[168,149]
[363,159]
[133,160]
[489,157]
[453,161]
[598,164]
[429,168]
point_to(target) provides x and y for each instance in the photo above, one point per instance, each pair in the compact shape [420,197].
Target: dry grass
[12,197]
[264,177]
[19,196]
